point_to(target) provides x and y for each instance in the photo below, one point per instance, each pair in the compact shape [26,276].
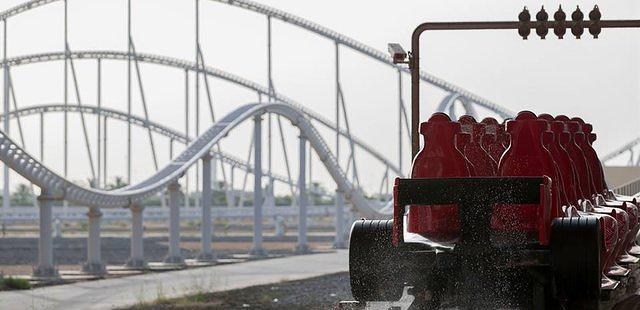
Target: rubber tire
[575,259]
[374,262]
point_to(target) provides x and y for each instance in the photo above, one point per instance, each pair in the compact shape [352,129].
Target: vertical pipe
[269,80]
[271,93]
[5,190]
[99,131]
[400,104]
[257,249]
[302,246]
[414,65]
[337,103]
[136,260]
[197,99]
[104,157]
[129,91]
[206,253]
[42,137]
[66,94]
[45,268]
[174,256]
[186,131]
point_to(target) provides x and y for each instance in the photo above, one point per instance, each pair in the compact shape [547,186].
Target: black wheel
[374,266]
[575,259]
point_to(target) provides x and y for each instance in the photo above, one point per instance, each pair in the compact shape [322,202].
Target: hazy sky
[595,79]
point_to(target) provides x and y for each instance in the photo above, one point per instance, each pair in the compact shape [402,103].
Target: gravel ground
[316,293]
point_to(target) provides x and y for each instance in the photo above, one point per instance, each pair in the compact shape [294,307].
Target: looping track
[27,166]
[324,32]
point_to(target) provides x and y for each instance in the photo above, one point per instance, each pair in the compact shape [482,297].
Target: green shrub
[15,283]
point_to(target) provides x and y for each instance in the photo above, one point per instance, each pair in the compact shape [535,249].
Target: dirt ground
[316,293]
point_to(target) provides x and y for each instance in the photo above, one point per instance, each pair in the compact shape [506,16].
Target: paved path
[121,292]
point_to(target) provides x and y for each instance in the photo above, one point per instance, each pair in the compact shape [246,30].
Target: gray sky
[595,79]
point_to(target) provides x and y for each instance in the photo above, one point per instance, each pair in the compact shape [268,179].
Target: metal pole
[197,101]
[66,94]
[186,130]
[5,190]
[257,249]
[206,253]
[82,119]
[400,104]
[269,80]
[337,103]
[42,137]
[302,246]
[144,107]
[104,157]
[129,90]
[99,131]
[271,93]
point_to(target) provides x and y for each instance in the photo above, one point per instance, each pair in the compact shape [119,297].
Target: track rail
[187,65]
[138,121]
[324,32]
[27,166]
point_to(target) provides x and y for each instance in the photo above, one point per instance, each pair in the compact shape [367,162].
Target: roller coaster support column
[45,268]
[174,257]
[94,263]
[207,254]
[339,242]
[302,246]
[136,261]
[257,249]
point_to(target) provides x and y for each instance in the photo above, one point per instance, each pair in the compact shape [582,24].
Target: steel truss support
[94,264]
[174,256]
[302,246]
[5,184]
[144,105]
[45,267]
[129,90]
[136,259]
[294,199]
[12,92]
[66,96]
[197,95]
[98,180]
[186,132]
[340,106]
[206,253]
[257,249]
[104,149]
[82,118]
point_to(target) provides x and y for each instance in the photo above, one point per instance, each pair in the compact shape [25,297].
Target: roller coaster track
[27,166]
[324,32]
[141,122]
[187,65]
[620,150]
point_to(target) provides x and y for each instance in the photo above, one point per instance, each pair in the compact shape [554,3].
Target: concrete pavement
[127,291]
